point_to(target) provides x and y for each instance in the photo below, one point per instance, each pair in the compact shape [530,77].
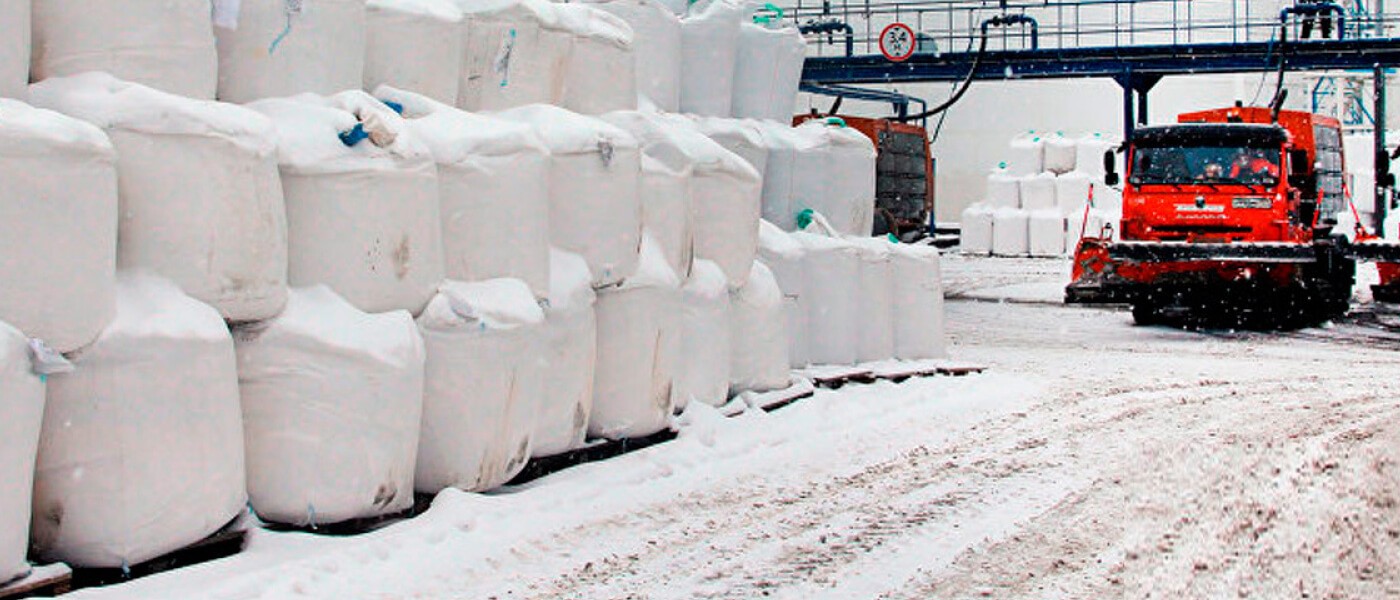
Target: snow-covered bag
[594,172]
[1003,188]
[58,226]
[632,386]
[709,49]
[831,271]
[1060,154]
[767,71]
[759,357]
[740,136]
[780,171]
[1010,232]
[362,218]
[287,47]
[918,303]
[600,74]
[200,197]
[1027,153]
[570,356]
[22,404]
[482,391]
[332,402]
[846,195]
[1071,190]
[493,179]
[656,46]
[702,374]
[14,54]
[726,206]
[977,223]
[875,302]
[1046,232]
[783,256]
[669,157]
[142,447]
[514,54]
[1089,150]
[414,45]
[1038,191]
[164,44]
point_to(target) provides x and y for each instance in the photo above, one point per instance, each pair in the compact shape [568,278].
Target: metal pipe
[1009,20]
[1378,115]
[1314,9]
[831,27]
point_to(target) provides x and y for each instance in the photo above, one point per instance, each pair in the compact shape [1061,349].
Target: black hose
[1279,95]
[962,88]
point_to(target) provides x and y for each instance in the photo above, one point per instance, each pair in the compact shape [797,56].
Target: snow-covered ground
[1094,459]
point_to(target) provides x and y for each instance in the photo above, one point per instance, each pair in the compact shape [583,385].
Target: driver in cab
[1252,164]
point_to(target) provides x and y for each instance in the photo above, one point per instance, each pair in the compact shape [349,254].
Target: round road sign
[897,42]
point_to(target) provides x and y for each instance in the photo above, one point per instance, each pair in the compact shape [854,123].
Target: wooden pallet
[222,544]
[44,581]
[351,527]
[776,399]
[836,376]
[599,450]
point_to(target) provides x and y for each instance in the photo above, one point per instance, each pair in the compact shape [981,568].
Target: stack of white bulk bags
[767,70]
[740,136]
[876,302]
[1045,235]
[978,223]
[284,47]
[142,447]
[22,403]
[632,385]
[759,359]
[1010,232]
[361,218]
[482,391]
[779,172]
[783,255]
[164,44]
[14,53]
[1089,150]
[414,45]
[847,188]
[570,354]
[332,401]
[1003,188]
[831,267]
[493,181]
[1038,191]
[1060,153]
[514,54]
[670,151]
[918,303]
[58,226]
[1027,154]
[709,49]
[702,374]
[594,209]
[201,201]
[600,74]
[656,45]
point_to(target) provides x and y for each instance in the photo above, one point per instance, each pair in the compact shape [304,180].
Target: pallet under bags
[709,47]
[142,447]
[493,178]
[514,55]
[332,401]
[783,255]
[656,49]
[362,201]
[918,303]
[200,197]
[571,349]
[14,51]
[703,373]
[279,48]
[22,404]
[600,73]
[483,384]
[414,45]
[58,226]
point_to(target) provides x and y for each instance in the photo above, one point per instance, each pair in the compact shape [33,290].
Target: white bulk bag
[600,74]
[22,404]
[14,54]
[709,49]
[783,255]
[1089,151]
[570,356]
[414,45]
[493,182]
[332,402]
[1046,232]
[846,195]
[875,301]
[58,226]
[1003,188]
[759,357]
[702,374]
[1038,191]
[200,198]
[767,71]
[1060,153]
[514,54]
[977,225]
[831,270]
[1027,154]
[635,372]
[164,44]
[656,45]
[780,170]
[739,136]
[482,392]
[142,448]
[362,219]
[286,47]
[594,209]
[667,183]
[1071,190]
[1010,232]
[918,303]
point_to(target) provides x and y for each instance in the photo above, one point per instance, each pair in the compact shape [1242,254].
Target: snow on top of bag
[567,132]
[496,304]
[773,240]
[816,241]
[309,129]
[872,248]
[150,306]
[317,312]
[840,135]
[707,280]
[570,281]
[668,139]
[584,20]
[540,11]
[443,10]
[652,269]
[111,103]
[26,130]
[453,135]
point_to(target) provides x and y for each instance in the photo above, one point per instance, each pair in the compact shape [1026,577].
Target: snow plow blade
[1376,251]
[1160,252]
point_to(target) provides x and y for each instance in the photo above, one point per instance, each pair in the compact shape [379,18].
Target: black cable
[962,89]
[943,116]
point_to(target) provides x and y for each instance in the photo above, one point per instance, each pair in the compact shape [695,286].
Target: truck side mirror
[1110,165]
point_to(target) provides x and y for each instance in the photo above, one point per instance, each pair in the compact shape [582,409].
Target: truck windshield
[1176,165]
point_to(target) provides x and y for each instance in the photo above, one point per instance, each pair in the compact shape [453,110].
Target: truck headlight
[1253,202]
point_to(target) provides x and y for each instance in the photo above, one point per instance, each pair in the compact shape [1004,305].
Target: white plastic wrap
[1011,232]
[493,179]
[656,46]
[1060,153]
[600,73]
[362,219]
[1046,232]
[482,392]
[875,300]
[831,270]
[1071,190]
[594,173]
[759,356]
[332,402]
[783,255]
[201,201]
[780,170]
[570,356]
[1038,191]
[164,44]
[918,303]
[287,47]
[847,191]
[58,226]
[414,45]
[709,49]
[514,54]
[142,448]
[1089,151]
[632,387]
[703,373]
[1003,189]
[977,229]
[1027,154]
[22,403]
[14,56]
[767,71]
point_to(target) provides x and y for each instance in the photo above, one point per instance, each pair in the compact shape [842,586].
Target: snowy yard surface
[1094,459]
